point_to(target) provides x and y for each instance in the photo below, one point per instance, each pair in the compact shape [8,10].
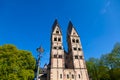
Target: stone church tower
[66,65]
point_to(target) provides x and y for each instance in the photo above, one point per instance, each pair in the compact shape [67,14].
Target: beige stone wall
[56,74]
[53,74]
[76,67]
[69,74]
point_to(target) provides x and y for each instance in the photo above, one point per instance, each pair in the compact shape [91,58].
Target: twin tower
[66,65]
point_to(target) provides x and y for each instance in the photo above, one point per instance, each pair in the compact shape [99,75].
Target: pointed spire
[70,29]
[55,24]
[70,26]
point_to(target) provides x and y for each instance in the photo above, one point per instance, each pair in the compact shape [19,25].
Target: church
[65,65]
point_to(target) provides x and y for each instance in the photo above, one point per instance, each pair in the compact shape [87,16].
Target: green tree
[107,67]
[92,66]
[16,64]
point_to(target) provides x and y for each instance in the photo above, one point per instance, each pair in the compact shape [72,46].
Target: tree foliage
[107,67]
[16,64]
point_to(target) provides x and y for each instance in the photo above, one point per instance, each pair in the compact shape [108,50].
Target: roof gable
[71,30]
[56,28]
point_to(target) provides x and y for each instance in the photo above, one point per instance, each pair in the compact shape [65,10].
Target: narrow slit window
[74,33]
[67,76]
[79,75]
[72,76]
[61,76]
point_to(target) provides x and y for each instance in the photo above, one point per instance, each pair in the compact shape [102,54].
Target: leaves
[16,64]
[107,67]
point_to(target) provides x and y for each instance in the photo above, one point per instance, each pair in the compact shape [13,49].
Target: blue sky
[28,23]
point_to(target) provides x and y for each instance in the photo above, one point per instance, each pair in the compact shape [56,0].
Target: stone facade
[66,65]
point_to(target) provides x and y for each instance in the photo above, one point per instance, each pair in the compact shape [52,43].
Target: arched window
[76,57]
[75,48]
[60,56]
[79,49]
[57,32]
[55,56]
[55,39]
[73,40]
[81,57]
[77,41]
[54,47]
[60,47]
[59,39]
